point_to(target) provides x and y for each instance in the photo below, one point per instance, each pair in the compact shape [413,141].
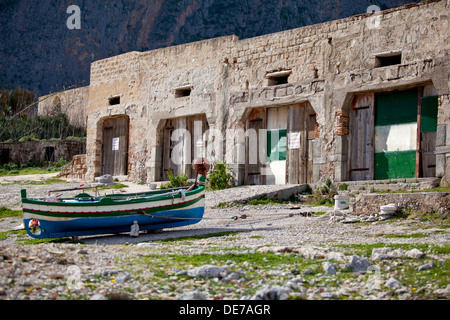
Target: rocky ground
[274,251]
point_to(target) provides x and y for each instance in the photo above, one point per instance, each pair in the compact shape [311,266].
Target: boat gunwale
[111,213]
[108,200]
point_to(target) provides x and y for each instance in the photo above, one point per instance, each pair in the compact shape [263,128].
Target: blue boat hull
[106,225]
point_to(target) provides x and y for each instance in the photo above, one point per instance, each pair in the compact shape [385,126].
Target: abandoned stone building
[361,98]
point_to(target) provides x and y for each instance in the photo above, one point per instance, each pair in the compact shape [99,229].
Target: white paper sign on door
[115,143]
[294,140]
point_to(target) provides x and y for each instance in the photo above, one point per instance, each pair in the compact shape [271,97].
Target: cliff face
[39,52]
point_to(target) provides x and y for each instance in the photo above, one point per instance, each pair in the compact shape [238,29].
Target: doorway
[301,134]
[183,140]
[393,135]
[115,146]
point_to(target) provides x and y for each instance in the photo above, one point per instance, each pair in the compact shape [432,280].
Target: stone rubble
[100,268]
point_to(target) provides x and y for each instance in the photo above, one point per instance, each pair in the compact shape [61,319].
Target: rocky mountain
[39,52]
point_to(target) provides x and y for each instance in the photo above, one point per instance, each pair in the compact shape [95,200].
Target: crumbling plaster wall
[330,62]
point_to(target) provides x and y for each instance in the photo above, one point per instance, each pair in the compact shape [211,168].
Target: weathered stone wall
[35,151]
[418,202]
[74,103]
[76,169]
[329,63]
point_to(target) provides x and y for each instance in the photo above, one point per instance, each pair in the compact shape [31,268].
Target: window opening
[184,91]
[114,100]
[388,59]
[278,77]
[50,154]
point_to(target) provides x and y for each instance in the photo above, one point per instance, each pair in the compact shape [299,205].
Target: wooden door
[299,159]
[428,128]
[396,134]
[196,126]
[362,137]
[115,146]
[174,147]
[254,143]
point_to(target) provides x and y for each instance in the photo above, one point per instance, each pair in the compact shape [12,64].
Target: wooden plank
[310,148]
[255,121]
[107,155]
[419,135]
[115,146]
[428,157]
[293,165]
[361,137]
[303,115]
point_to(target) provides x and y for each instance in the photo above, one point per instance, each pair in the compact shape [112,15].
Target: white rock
[192,295]
[329,267]
[397,253]
[415,253]
[380,253]
[272,293]
[426,266]
[389,208]
[98,296]
[359,264]
[311,252]
[105,179]
[339,256]
[208,271]
[444,292]
[393,283]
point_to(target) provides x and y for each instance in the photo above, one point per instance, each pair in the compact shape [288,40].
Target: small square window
[278,77]
[388,59]
[184,91]
[114,100]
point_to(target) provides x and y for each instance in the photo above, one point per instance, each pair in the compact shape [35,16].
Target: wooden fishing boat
[92,215]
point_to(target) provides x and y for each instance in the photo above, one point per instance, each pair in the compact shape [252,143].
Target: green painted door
[395,134]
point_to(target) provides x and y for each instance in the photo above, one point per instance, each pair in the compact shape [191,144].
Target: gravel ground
[311,241]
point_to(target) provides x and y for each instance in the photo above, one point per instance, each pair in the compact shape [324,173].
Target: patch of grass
[199,237]
[115,186]
[6,212]
[343,186]
[175,181]
[412,235]
[31,241]
[263,201]
[37,183]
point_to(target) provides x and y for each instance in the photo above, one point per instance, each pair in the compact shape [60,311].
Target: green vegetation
[261,201]
[30,167]
[220,177]
[278,268]
[343,187]
[17,126]
[407,236]
[175,181]
[199,237]
[115,186]
[7,213]
[324,196]
[24,128]
[14,101]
